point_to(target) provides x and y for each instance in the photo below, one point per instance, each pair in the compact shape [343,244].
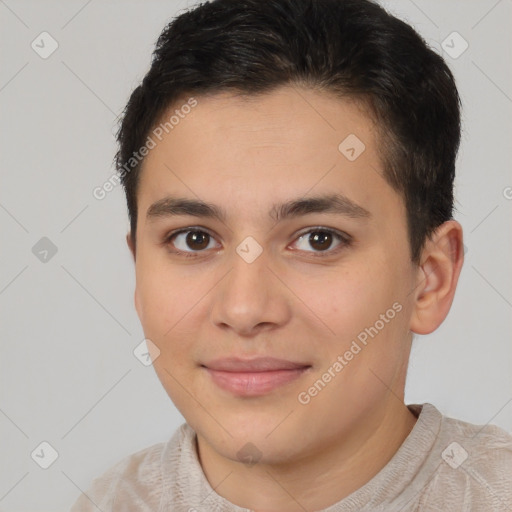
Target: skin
[294,302]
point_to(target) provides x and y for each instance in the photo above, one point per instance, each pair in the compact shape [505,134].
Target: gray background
[68,375]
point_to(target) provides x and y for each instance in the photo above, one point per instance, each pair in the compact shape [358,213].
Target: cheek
[163,294]
[155,300]
[365,304]
[345,300]
[170,311]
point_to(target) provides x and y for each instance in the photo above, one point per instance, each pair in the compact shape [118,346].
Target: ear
[438,274]
[131,245]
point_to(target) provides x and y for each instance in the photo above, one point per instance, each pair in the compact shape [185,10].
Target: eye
[190,241]
[318,241]
[322,240]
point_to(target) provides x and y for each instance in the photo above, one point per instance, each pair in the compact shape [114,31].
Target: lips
[261,364]
[254,377]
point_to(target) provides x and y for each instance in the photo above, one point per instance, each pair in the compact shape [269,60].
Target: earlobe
[131,246]
[438,274]
[137,303]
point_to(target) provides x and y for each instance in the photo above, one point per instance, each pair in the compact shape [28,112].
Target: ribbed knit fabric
[443,465]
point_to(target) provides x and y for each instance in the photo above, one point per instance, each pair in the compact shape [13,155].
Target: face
[273,273]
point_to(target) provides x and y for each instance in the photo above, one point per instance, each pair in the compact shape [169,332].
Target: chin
[252,436]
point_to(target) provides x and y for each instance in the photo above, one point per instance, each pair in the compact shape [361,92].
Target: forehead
[254,151]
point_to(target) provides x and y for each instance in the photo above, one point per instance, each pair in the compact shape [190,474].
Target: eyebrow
[332,203]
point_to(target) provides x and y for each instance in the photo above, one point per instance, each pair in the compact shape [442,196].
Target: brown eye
[320,240]
[191,241]
[197,240]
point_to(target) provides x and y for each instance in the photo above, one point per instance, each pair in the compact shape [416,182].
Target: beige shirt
[443,465]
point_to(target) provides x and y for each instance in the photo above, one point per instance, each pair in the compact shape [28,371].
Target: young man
[289,169]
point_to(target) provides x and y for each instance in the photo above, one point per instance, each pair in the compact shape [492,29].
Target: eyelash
[344,239]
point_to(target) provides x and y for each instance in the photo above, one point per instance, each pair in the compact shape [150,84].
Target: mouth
[254,377]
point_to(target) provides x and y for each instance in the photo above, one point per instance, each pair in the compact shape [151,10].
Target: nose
[251,298]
